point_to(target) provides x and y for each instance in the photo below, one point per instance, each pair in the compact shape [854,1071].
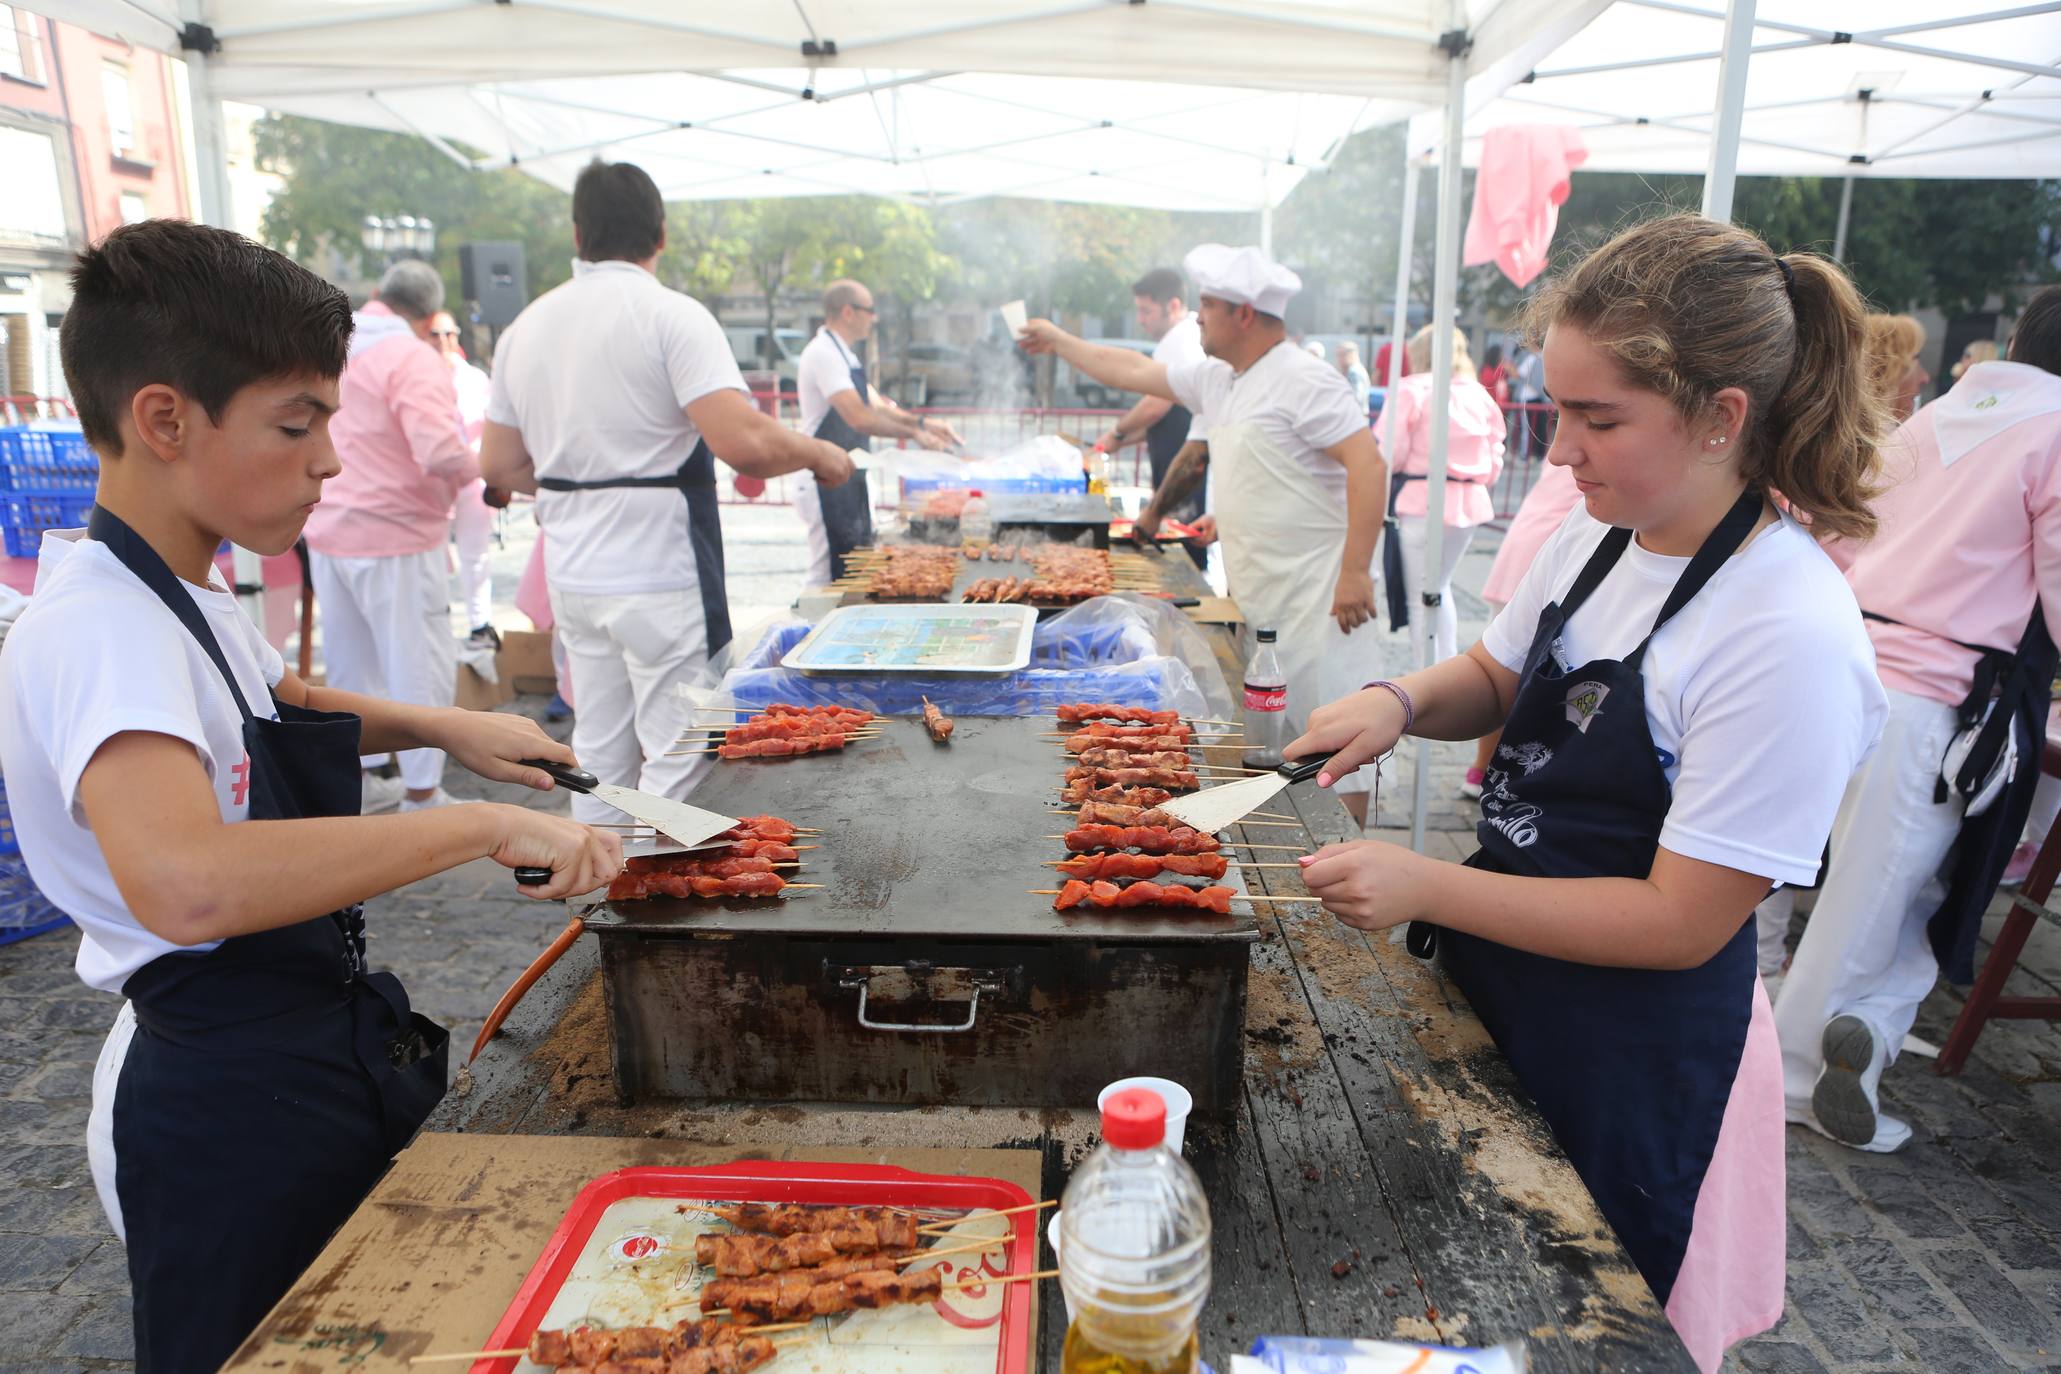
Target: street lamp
[397,237]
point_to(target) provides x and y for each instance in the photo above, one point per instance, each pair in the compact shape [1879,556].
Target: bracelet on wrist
[1409,707]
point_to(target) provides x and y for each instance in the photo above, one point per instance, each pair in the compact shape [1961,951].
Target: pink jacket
[403,448]
[1970,533]
[1474,448]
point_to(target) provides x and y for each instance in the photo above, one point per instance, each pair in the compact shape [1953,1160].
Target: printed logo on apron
[1585,703]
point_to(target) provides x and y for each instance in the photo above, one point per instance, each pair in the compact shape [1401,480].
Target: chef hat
[1242,276]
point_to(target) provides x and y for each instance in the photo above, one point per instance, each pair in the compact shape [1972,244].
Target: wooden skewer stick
[520,1350]
[1006,1278]
[941,1227]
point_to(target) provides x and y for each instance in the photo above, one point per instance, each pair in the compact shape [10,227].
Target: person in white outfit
[378,542]
[1299,481]
[1961,590]
[472,518]
[614,395]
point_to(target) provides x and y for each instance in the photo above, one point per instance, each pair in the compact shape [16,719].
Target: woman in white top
[1684,687]
[1474,459]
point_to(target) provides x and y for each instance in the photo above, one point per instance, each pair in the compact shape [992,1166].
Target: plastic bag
[1131,650]
[1309,1355]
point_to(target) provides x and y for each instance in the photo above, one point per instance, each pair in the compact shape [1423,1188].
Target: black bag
[1392,577]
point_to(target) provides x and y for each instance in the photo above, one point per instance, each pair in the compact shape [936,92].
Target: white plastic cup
[1052,1239]
[1179,1102]
[1016,317]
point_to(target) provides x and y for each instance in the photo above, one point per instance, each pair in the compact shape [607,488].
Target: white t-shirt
[1761,692]
[94,655]
[824,369]
[596,373]
[1183,344]
[1303,406]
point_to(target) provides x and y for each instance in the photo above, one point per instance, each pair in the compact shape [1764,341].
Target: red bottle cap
[1134,1119]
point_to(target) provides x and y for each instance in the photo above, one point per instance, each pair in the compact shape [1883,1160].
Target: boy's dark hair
[618,211]
[192,307]
[1161,284]
[2037,339]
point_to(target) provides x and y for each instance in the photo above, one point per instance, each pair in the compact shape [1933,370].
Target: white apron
[1282,535]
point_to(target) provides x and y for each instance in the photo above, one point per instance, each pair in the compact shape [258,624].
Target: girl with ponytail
[1684,687]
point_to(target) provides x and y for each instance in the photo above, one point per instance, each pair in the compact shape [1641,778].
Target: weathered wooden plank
[1505,1237]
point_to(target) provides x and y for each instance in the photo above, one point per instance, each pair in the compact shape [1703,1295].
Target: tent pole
[1399,326]
[1266,229]
[1845,217]
[1722,170]
[211,171]
[1445,293]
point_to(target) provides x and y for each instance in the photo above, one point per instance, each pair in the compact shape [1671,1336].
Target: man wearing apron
[1299,481]
[259,1077]
[614,396]
[840,407]
[1169,429]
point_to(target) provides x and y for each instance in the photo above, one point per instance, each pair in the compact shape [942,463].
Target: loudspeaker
[493,274]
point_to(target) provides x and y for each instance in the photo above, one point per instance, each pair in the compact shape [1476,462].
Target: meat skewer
[1143,893]
[1118,758]
[1151,839]
[1078,712]
[1110,867]
[773,748]
[1109,729]
[936,722]
[1129,744]
[792,1218]
[740,1256]
[1177,780]
[1077,792]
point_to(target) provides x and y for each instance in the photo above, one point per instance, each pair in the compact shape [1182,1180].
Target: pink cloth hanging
[1518,191]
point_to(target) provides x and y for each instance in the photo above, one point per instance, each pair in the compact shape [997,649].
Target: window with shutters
[21,46]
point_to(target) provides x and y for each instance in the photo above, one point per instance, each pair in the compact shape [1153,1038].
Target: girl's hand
[1358,729]
[493,744]
[1370,884]
[580,857]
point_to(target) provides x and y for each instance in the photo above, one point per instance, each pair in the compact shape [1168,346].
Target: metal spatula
[688,826]
[1213,808]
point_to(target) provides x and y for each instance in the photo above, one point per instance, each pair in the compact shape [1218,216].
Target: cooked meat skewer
[1075,712]
[1178,780]
[1151,839]
[793,1218]
[1141,894]
[1118,758]
[743,1255]
[1109,867]
[1077,792]
[1129,744]
[788,1297]
[936,722]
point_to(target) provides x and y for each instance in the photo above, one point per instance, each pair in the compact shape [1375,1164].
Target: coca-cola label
[1265,698]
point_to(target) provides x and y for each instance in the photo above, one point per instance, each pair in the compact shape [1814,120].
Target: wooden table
[1382,1176]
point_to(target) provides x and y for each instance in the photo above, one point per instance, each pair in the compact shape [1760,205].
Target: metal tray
[918,637]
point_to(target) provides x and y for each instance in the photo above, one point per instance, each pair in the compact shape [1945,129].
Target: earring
[1719,442]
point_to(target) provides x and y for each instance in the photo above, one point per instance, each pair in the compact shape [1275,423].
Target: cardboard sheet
[432,1259]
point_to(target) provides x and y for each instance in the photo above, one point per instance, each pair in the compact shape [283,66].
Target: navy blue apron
[696,480]
[1167,437]
[1631,1067]
[847,510]
[271,1079]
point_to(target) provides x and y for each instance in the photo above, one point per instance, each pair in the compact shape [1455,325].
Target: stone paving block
[104,1272]
[1893,1193]
[1890,1283]
[49,1211]
[1833,1311]
[38,1264]
[1822,1199]
[14,1073]
[1775,1357]
[1954,1350]
[2015,1242]
[70,1078]
[86,1014]
[32,1323]
[2013,1321]
[106,1332]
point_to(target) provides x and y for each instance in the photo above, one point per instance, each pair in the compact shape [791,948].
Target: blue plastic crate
[29,513]
[10,848]
[24,911]
[45,459]
[994,486]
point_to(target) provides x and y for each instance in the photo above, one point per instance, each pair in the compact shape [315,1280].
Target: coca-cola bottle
[1266,706]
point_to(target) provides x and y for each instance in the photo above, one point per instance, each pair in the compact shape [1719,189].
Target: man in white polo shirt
[840,406]
[615,395]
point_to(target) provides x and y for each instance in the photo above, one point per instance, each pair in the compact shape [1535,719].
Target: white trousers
[1864,951]
[630,653]
[1446,639]
[386,632]
[472,528]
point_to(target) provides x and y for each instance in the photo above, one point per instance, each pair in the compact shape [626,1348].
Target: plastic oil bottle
[1266,706]
[976,522]
[1136,1244]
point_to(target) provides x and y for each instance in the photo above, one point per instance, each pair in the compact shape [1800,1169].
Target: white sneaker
[435,799]
[1843,1104]
[381,794]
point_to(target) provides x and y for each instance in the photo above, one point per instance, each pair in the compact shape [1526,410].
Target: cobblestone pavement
[1945,1257]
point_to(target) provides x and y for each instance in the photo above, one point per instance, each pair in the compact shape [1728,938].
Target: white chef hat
[1242,276]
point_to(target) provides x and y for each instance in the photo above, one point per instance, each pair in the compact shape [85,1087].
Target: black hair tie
[1788,279]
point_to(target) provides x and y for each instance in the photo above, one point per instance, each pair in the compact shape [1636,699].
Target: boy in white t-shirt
[192,803]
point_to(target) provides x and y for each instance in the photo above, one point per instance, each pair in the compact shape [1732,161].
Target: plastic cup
[1016,317]
[1177,1098]
[1052,1239]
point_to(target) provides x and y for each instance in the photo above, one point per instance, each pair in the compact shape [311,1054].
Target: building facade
[90,138]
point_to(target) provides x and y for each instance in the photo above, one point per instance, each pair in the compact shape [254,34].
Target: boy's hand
[1370,884]
[493,743]
[580,857]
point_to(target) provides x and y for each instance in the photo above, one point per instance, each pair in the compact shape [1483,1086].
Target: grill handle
[861,979]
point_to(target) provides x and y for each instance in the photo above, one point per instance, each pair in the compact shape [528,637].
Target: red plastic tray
[852,1185]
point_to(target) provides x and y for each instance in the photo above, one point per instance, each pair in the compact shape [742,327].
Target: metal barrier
[23,410]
